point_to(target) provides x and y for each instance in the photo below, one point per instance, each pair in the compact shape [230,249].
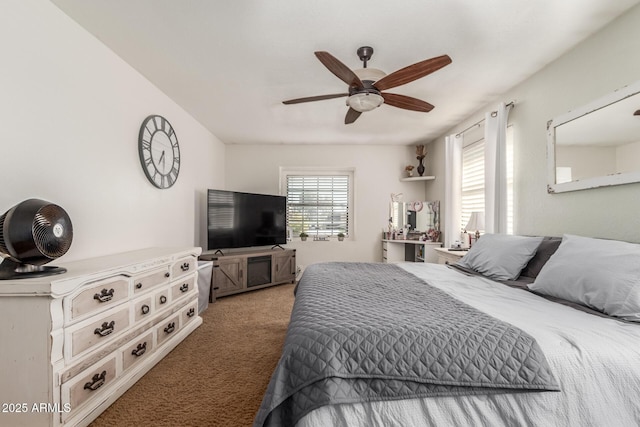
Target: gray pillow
[500,256]
[547,247]
[601,274]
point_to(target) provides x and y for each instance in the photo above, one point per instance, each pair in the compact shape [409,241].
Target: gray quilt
[369,331]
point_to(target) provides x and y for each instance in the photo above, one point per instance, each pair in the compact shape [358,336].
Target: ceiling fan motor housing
[35,232]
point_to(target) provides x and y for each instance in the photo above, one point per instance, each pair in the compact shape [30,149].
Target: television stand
[251,269]
[277,246]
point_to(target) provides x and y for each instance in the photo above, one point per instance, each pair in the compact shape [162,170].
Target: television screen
[237,220]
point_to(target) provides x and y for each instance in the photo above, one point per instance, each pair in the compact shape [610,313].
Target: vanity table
[420,218]
[399,250]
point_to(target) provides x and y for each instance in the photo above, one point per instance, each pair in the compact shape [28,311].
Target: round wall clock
[159,151]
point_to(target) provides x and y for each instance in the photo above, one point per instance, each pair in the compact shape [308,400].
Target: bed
[525,331]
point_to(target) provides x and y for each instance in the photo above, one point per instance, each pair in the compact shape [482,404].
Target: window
[473,179]
[318,203]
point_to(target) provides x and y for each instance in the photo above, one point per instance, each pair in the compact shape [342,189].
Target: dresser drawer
[146,281]
[189,312]
[182,288]
[99,296]
[183,266]
[161,299]
[167,328]
[143,309]
[99,330]
[88,383]
[136,350]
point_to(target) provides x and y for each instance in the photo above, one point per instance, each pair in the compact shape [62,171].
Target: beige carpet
[217,376]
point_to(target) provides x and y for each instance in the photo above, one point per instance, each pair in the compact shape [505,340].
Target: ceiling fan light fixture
[366,101]
[370,74]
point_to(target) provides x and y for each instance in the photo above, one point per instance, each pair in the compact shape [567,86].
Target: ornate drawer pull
[145,309]
[104,295]
[96,382]
[167,274]
[185,266]
[191,312]
[163,299]
[106,329]
[138,285]
[170,327]
[140,349]
[184,287]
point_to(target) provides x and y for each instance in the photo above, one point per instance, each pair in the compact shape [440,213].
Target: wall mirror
[596,145]
[419,216]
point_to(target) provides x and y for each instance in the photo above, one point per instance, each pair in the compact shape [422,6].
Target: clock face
[159,151]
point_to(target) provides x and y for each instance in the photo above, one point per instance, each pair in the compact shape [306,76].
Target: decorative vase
[420,166]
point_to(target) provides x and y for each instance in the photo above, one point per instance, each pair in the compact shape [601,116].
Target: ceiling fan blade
[340,70]
[352,116]
[406,102]
[412,72]
[314,98]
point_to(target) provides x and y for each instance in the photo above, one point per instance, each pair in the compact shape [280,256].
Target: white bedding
[595,360]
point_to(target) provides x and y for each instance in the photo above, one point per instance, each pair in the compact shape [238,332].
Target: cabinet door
[284,269]
[229,275]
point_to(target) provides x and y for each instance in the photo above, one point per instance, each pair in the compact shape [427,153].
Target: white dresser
[71,344]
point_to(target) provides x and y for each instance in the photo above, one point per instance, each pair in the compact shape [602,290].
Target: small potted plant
[303,236]
[409,169]
[340,236]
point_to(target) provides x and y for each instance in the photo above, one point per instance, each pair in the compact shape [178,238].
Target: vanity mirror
[420,216]
[596,145]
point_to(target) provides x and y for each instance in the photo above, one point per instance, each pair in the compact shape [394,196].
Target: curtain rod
[478,123]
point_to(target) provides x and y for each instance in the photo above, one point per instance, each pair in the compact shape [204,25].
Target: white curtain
[495,170]
[452,186]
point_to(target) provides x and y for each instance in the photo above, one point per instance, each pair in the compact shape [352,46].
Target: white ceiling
[231,63]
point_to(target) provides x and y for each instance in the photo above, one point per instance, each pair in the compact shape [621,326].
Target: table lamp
[476,222]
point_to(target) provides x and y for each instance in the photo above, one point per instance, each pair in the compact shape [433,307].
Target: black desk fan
[32,233]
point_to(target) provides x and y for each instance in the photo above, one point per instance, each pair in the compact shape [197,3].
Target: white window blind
[318,204]
[472,180]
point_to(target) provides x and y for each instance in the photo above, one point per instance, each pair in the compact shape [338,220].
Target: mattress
[596,361]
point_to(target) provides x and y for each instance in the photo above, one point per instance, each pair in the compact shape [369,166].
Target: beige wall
[378,169]
[71,111]
[601,64]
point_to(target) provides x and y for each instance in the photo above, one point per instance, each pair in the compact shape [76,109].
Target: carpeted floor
[217,376]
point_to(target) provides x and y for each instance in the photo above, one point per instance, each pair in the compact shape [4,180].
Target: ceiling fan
[366,84]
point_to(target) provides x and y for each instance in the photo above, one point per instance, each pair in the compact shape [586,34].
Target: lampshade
[476,221]
[365,101]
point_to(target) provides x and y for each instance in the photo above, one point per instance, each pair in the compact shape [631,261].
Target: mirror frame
[587,183]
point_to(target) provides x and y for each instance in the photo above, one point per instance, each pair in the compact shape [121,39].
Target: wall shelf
[417,178]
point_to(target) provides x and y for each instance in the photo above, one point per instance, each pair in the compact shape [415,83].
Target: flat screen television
[239,220]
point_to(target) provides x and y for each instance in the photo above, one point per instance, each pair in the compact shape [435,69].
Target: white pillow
[602,274]
[500,256]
